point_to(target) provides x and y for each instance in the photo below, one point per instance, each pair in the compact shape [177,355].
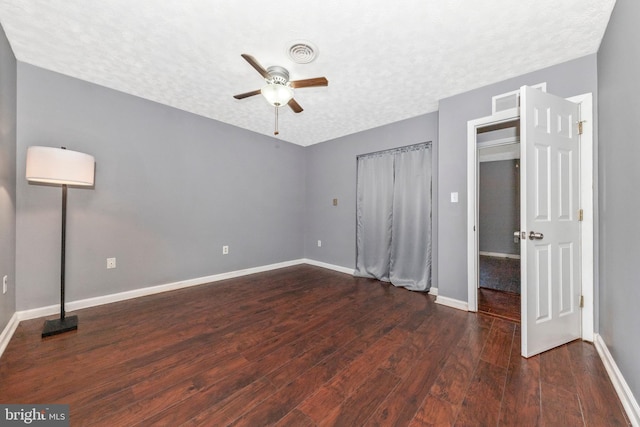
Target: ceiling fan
[279,90]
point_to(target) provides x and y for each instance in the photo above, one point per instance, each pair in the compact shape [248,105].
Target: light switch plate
[454,197]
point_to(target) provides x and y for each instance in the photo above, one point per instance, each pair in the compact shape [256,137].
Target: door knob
[535,236]
[519,235]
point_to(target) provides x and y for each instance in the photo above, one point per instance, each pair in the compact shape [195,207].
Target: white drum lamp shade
[52,165]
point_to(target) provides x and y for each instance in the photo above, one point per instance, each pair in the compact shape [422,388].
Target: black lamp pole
[64,324]
[63,248]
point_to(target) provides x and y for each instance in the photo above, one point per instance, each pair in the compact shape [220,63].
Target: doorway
[539,289]
[498,291]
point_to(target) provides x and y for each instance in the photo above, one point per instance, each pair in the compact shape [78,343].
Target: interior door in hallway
[550,198]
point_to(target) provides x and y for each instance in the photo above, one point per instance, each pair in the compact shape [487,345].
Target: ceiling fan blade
[247,94]
[255,64]
[316,81]
[294,106]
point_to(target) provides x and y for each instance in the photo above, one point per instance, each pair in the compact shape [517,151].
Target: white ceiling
[385,61]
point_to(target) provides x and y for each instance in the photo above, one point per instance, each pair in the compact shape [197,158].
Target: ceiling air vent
[303,52]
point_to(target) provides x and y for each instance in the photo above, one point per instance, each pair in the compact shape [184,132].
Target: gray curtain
[393,231]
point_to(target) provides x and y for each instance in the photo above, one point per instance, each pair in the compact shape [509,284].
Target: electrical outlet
[4,284]
[319,243]
[111,263]
[225,250]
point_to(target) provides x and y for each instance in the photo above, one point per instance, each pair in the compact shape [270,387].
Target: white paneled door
[550,204]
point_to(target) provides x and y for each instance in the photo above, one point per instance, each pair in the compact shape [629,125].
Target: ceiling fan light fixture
[277,94]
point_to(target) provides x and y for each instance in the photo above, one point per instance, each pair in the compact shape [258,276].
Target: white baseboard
[499,255]
[18,316]
[454,303]
[346,270]
[629,402]
[70,306]
[136,293]
[8,331]
[35,313]
[333,267]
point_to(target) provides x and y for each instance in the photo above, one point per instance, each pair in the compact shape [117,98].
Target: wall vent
[511,100]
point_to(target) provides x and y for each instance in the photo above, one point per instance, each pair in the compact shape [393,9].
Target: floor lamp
[59,166]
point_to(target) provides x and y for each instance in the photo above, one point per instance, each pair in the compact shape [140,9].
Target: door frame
[586,201]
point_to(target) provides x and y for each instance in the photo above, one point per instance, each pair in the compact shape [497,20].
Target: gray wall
[331,173]
[569,79]
[7,178]
[171,189]
[619,156]
[499,206]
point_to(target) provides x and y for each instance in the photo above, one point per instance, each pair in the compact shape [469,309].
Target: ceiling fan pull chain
[275,132]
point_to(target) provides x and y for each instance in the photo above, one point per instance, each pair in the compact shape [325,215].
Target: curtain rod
[397,149]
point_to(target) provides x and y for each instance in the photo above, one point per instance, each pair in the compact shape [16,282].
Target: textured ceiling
[385,61]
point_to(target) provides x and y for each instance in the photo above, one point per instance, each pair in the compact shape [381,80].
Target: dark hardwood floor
[499,291]
[302,346]
[505,305]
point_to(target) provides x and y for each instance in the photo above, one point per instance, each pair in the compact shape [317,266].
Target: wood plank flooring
[505,305]
[499,291]
[302,346]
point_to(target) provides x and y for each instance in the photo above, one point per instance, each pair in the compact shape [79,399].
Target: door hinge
[580,127]
[581,301]
[580,215]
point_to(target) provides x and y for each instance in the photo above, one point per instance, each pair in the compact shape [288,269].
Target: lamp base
[59,326]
